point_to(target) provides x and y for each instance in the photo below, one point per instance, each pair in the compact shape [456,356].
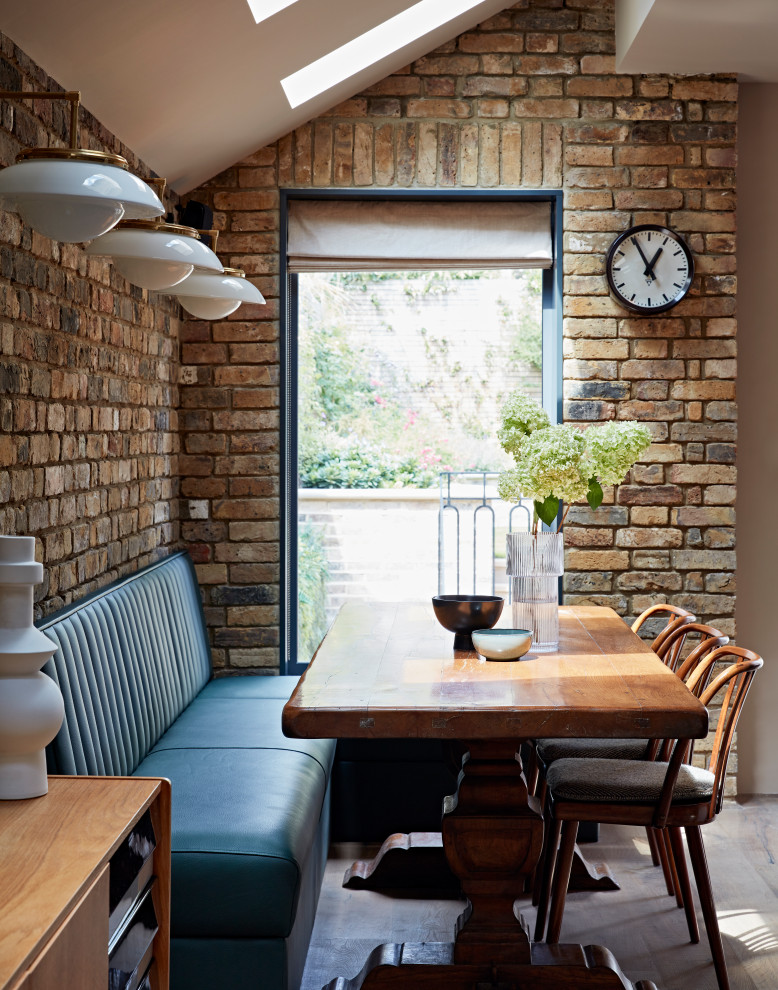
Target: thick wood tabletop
[390,671]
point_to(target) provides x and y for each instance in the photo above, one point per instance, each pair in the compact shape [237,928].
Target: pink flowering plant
[563,463]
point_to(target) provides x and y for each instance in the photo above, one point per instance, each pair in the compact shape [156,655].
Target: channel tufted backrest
[130,658]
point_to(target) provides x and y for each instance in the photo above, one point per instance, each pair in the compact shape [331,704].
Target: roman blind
[414,235]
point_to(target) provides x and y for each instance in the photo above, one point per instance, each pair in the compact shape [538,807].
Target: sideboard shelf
[55,863]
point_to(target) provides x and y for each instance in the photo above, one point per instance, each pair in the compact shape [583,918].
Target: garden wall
[530,99]
[383,544]
[88,381]
[366,559]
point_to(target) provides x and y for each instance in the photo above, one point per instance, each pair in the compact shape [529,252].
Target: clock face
[649,268]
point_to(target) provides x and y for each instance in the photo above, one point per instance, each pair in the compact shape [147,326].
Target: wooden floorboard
[639,923]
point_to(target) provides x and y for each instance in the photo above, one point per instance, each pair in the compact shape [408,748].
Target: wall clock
[649,268]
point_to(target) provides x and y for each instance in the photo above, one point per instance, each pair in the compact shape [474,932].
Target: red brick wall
[88,382]
[529,99]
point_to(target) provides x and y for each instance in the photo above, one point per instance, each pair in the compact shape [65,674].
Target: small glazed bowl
[461,614]
[502,644]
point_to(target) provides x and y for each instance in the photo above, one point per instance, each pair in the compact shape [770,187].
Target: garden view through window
[401,376]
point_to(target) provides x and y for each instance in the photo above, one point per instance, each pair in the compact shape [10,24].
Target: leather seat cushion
[625,781]
[577,749]
[243,826]
[243,686]
[214,721]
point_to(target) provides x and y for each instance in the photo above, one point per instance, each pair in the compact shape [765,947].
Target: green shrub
[354,464]
[312,574]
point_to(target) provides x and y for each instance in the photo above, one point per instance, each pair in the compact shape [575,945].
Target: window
[390,376]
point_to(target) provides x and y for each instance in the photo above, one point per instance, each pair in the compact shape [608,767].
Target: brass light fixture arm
[158,184]
[73,97]
[211,233]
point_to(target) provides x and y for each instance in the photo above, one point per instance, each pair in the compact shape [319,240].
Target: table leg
[406,861]
[415,860]
[430,966]
[492,836]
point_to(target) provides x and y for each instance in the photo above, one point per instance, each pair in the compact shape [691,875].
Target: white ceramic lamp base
[31,706]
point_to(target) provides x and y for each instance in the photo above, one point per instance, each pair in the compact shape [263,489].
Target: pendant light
[73,194]
[212,297]
[154,254]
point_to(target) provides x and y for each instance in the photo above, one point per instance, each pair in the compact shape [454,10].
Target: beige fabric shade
[391,235]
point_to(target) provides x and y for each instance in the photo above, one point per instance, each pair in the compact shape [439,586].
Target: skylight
[262,9]
[371,47]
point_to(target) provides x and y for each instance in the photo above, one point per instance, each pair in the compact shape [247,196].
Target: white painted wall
[757,508]
[194,86]
[691,37]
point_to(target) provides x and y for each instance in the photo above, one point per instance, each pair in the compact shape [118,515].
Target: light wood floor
[639,923]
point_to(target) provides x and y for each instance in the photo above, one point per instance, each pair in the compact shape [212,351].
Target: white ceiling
[691,37]
[193,87]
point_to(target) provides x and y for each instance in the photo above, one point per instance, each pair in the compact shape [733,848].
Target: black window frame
[288,290]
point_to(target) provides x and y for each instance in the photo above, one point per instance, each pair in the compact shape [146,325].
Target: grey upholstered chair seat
[625,781]
[550,750]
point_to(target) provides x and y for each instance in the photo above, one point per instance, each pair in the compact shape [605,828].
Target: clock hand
[640,252]
[650,268]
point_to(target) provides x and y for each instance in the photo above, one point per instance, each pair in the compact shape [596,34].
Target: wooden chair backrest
[672,627]
[677,616]
[736,680]
[674,639]
[710,639]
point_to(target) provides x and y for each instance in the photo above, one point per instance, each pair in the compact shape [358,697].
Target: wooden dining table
[390,671]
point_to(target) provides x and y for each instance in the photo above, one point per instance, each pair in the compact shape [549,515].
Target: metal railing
[476,490]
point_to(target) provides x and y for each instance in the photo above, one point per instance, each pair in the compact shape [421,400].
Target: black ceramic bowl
[461,614]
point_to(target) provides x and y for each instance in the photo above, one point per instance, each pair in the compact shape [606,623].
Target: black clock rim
[625,235]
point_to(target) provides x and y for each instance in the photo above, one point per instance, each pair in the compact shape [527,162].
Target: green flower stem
[564,516]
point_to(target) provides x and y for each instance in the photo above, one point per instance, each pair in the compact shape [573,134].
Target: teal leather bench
[250,811]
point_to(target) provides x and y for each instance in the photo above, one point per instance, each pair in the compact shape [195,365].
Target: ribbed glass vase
[534,564]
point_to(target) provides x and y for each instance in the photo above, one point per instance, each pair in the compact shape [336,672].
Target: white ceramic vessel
[502,644]
[31,706]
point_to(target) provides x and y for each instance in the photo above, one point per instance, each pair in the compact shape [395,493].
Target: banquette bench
[250,808]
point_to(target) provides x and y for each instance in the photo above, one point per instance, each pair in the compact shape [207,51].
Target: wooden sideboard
[57,856]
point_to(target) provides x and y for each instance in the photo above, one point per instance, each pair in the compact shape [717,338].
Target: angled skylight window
[262,9]
[371,47]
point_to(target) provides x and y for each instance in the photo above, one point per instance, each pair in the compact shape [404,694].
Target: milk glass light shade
[155,255]
[75,194]
[212,297]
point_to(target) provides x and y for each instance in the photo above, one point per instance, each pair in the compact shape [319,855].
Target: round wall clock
[649,268]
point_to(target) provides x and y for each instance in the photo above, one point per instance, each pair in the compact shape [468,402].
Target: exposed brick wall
[529,99]
[88,382]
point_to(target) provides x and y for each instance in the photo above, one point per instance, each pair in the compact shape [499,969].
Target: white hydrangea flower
[508,486]
[553,461]
[614,447]
[562,461]
[521,416]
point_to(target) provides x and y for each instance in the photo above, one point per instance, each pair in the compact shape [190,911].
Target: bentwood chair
[667,794]
[676,617]
[547,751]
[669,642]
[673,612]
[671,654]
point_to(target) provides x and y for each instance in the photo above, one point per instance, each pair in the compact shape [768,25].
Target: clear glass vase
[534,564]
